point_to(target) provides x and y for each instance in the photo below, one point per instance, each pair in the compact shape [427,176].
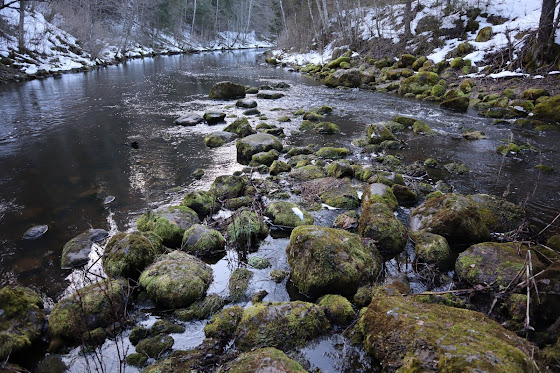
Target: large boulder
[282,325]
[227,186]
[490,262]
[453,216]
[199,240]
[327,260]
[219,138]
[379,132]
[333,192]
[246,228]
[240,127]
[419,83]
[214,117]
[460,104]
[378,192]
[264,360]
[498,214]
[98,305]
[257,143]
[378,222]
[127,254]
[189,120]
[344,78]
[21,320]
[227,90]
[176,280]
[406,335]
[200,202]
[169,223]
[287,214]
[432,248]
[548,109]
[75,252]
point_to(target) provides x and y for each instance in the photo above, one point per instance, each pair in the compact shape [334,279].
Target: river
[65,148]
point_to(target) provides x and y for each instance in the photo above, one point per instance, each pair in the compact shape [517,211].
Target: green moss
[457,63]
[200,202]
[281,325]
[340,170]
[509,148]
[201,309]
[332,153]
[126,255]
[223,324]
[287,214]
[466,86]
[430,162]
[278,276]
[137,334]
[456,168]
[246,228]
[484,34]
[404,120]
[168,223]
[227,186]
[312,116]
[534,93]
[432,248]
[265,158]
[165,327]
[240,127]
[308,172]
[337,309]
[419,83]
[336,63]
[379,132]
[258,262]
[154,347]
[326,128]
[463,49]
[420,127]
[437,90]
[238,283]
[377,192]
[554,242]
[378,222]
[264,360]
[278,167]
[298,112]
[136,359]
[200,240]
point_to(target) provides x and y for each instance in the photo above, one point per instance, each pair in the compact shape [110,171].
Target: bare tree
[545,33]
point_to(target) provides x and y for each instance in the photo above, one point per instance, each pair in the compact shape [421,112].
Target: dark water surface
[64,148]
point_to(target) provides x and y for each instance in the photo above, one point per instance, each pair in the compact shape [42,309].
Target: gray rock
[189,120]
[270,95]
[75,252]
[227,89]
[35,232]
[214,117]
[246,103]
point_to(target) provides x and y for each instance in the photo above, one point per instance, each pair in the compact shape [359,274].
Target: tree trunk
[546,30]
[283,16]
[21,29]
[217,11]
[193,18]
[407,18]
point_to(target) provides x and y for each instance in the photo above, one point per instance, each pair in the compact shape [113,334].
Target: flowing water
[65,152]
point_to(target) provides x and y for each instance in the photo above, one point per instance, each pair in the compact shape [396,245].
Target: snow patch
[298,212]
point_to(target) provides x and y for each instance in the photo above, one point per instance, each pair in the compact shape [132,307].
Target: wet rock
[278,276]
[246,228]
[98,305]
[270,95]
[534,93]
[453,216]
[227,186]
[198,173]
[176,280]
[189,120]
[154,347]
[378,222]
[246,103]
[460,104]
[326,128]
[200,241]
[127,254]
[347,220]
[201,309]
[333,192]
[227,90]
[378,192]
[498,214]
[407,335]
[340,170]
[136,359]
[432,248]
[277,167]
[489,262]
[264,158]
[330,152]
[405,196]
[548,109]
[338,309]
[281,325]
[137,334]
[312,116]
[257,143]
[287,214]
[169,223]
[240,127]
[473,135]
[219,138]
[214,117]
[350,78]
[51,364]
[165,327]
[239,283]
[554,242]
[308,172]
[203,358]
[456,168]
[223,325]
[258,262]
[75,252]
[379,132]
[326,260]
[35,232]
[21,320]
[200,202]
[264,360]
[419,83]
[421,128]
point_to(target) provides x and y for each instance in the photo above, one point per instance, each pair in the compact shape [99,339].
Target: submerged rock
[227,90]
[239,283]
[326,260]
[75,252]
[407,335]
[287,214]
[169,223]
[21,320]
[264,360]
[35,232]
[176,280]
[270,95]
[127,254]
[282,325]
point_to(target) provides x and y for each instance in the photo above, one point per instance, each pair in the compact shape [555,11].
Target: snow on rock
[298,212]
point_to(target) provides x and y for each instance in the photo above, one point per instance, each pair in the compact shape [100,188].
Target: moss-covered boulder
[334,192]
[330,152]
[498,214]
[378,192]
[406,60]
[554,242]
[312,116]
[379,132]
[484,34]
[534,93]
[378,222]
[239,283]
[326,260]
[340,170]
[490,262]
[453,216]
[336,62]
[227,186]
[201,309]
[350,78]
[246,228]
[75,252]
[214,117]
[407,335]
[281,325]
[201,202]
[405,195]
[127,254]
[308,172]
[176,280]
[227,90]
[326,128]
[419,83]
[421,128]
[219,138]
[154,347]
[21,320]
[246,103]
[432,248]
[287,214]
[347,220]
[270,95]
[199,240]
[98,305]
[277,167]
[460,104]
[240,127]
[264,158]
[169,223]
[264,360]
[338,309]
[223,325]
[257,143]
[548,109]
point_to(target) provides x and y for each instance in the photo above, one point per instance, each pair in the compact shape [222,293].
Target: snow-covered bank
[50,50]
